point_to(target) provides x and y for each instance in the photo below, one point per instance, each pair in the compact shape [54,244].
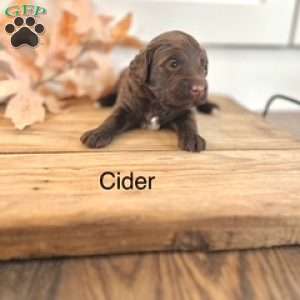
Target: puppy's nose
[197,89]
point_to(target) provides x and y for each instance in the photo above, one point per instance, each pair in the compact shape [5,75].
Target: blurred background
[252,44]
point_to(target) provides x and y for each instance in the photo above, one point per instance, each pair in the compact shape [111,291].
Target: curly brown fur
[162,85]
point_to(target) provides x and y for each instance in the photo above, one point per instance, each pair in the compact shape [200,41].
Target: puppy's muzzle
[197,90]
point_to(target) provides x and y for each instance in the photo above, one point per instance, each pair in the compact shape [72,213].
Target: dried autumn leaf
[5,70]
[9,87]
[120,30]
[85,13]
[92,81]
[105,20]
[64,43]
[131,42]
[72,60]
[63,88]
[21,66]
[67,29]
[53,105]
[26,108]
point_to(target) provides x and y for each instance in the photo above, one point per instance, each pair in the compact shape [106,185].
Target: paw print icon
[24,32]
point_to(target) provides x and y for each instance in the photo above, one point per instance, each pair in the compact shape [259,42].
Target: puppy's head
[174,67]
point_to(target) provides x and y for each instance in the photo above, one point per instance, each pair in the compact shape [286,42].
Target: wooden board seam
[147,151]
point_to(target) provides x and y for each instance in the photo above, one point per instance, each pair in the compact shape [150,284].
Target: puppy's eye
[173,64]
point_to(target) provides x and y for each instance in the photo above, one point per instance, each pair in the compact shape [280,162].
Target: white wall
[253,75]
[297,31]
[263,22]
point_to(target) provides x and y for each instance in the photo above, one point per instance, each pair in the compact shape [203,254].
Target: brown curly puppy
[158,90]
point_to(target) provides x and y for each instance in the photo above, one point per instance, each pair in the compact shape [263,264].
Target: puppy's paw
[192,143]
[95,139]
[208,108]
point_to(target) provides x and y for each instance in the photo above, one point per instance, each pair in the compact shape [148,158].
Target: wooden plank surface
[242,193]
[233,128]
[286,120]
[260,275]
[52,204]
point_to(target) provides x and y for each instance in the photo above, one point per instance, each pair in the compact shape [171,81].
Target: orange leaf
[9,87]
[105,20]
[67,28]
[26,108]
[21,65]
[5,69]
[131,42]
[120,30]
[53,104]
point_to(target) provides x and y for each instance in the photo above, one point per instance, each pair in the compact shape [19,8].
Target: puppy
[159,90]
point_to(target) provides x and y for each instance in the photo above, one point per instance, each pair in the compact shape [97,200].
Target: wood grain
[52,204]
[234,196]
[248,275]
[233,128]
[286,120]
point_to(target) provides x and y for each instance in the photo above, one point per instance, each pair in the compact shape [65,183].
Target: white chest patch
[153,124]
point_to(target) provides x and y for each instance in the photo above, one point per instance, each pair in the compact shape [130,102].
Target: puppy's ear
[204,60]
[140,67]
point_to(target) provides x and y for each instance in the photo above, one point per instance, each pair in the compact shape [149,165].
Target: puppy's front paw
[192,143]
[96,139]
